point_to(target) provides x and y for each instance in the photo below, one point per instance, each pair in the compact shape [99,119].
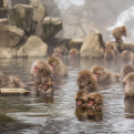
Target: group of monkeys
[45,74]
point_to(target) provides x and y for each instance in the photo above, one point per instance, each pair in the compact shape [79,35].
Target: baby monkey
[46,86]
[81,98]
[119,32]
[95,101]
[87,81]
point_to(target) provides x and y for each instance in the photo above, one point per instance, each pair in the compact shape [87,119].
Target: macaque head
[41,68]
[129,87]
[58,52]
[15,81]
[81,97]
[123,30]
[54,62]
[127,69]
[109,55]
[109,46]
[74,53]
[47,83]
[95,101]
[85,79]
[100,73]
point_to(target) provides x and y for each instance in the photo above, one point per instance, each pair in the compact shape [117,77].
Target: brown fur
[129,87]
[126,70]
[119,32]
[111,51]
[59,70]
[97,99]
[46,86]
[103,76]
[81,95]
[86,81]
[127,56]
[44,70]
[74,53]
[58,52]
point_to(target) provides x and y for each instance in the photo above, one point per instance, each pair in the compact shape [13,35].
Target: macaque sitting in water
[46,87]
[59,69]
[81,98]
[95,101]
[104,76]
[87,81]
[129,86]
[119,32]
[127,56]
[74,54]
[126,70]
[58,52]
[40,70]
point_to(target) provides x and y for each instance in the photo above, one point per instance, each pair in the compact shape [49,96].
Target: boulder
[76,43]
[93,46]
[7,53]
[51,26]
[10,35]
[4,21]
[21,15]
[34,47]
[39,12]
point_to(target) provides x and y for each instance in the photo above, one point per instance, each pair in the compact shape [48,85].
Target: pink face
[79,102]
[96,75]
[52,65]
[36,69]
[72,54]
[90,103]
[45,86]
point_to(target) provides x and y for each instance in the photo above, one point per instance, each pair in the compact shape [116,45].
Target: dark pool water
[56,114]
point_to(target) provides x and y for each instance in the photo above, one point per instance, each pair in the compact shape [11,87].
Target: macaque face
[95,101]
[129,84]
[109,55]
[73,53]
[81,97]
[99,73]
[124,31]
[47,83]
[85,79]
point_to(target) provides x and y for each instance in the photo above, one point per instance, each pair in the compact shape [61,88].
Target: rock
[3,13]
[4,21]
[51,26]
[39,11]
[76,43]
[5,118]
[34,47]
[21,15]
[93,46]
[7,53]
[10,35]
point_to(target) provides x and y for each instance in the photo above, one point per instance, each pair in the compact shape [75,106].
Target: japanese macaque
[74,54]
[126,70]
[119,32]
[40,70]
[81,98]
[127,56]
[129,87]
[87,81]
[46,86]
[95,101]
[111,51]
[104,76]
[59,69]
[15,82]
[58,52]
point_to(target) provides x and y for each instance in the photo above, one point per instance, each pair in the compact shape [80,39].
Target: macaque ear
[53,84]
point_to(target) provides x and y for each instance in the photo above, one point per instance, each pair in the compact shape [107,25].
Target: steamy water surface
[56,113]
